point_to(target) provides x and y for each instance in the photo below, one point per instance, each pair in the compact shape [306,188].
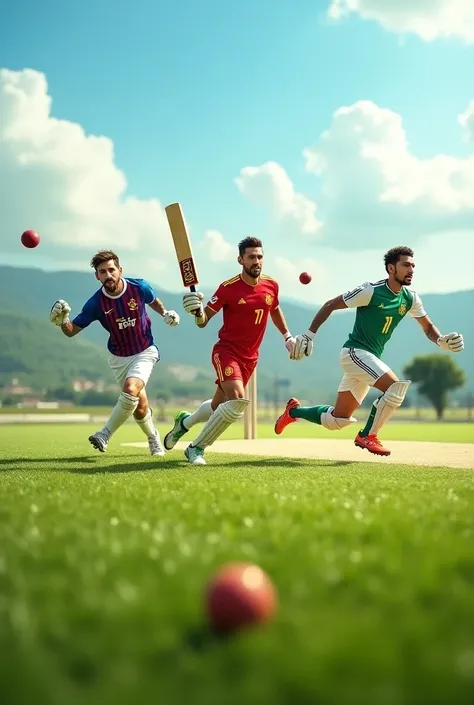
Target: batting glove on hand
[303,345]
[171,318]
[452,341]
[290,344]
[59,313]
[192,303]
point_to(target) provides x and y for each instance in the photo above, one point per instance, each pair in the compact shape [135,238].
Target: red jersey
[246,308]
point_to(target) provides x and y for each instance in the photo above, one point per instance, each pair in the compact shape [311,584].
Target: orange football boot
[372,444]
[285,419]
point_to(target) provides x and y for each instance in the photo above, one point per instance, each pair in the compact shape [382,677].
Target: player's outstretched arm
[453,342]
[279,321]
[304,342]
[59,315]
[70,329]
[170,317]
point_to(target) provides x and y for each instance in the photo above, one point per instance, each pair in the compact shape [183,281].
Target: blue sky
[192,92]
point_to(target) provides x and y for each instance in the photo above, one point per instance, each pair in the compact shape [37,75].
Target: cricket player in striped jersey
[120,307]
[247,301]
[380,306]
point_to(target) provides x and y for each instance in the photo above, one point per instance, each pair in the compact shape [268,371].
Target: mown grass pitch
[103,559]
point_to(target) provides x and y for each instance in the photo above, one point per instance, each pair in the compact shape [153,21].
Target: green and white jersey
[379,311]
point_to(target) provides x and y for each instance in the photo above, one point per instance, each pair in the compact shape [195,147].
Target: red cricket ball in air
[305,278]
[30,238]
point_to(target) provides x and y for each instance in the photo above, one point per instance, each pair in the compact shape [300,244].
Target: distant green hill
[33,291]
[43,357]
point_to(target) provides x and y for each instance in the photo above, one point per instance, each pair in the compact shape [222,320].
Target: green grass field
[445,432]
[103,559]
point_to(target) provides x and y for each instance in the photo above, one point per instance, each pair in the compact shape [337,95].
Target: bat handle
[193,289]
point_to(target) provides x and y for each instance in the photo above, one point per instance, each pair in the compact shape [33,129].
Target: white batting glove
[303,345]
[452,341]
[59,313]
[290,344]
[171,318]
[192,303]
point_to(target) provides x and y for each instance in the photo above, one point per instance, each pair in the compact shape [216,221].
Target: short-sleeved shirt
[245,309]
[124,317]
[379,311]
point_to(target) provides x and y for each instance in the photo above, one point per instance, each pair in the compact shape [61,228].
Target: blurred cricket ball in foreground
[240,595]
[305,278]
[30,238]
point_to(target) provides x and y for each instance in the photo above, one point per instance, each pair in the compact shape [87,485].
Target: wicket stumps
[250,415]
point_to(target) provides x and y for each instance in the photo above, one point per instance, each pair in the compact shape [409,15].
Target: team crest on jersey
[213,300]
[228,371]
[268,299]
[402,309]
[132,305]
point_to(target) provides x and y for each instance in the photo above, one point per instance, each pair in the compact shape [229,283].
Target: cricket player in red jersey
[247,301]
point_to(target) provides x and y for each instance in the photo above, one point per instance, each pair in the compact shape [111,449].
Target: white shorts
[361,370]
[139,366]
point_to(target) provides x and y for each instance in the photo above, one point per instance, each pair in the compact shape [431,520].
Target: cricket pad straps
[335,423]
[225,415]
[385,405]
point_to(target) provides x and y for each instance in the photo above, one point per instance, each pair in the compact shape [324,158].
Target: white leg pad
[225,415]
[333,423]
[388,403]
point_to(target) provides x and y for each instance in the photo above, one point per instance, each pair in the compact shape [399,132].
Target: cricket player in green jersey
[380,307]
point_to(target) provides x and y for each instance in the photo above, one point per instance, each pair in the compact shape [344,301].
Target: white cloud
[217,247]
[429,19]
[374,190]
[269,185]
[65,184]
[466,120]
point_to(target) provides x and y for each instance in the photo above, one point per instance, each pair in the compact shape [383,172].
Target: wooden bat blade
[182,245]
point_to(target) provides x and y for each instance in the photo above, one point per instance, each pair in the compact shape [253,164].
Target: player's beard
[111,285]
[406,281]
[253,271]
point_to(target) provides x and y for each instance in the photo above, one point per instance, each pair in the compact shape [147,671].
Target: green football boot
[178,430]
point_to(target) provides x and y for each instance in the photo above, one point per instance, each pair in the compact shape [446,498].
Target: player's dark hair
[393,255]
[104,256]
[248,242]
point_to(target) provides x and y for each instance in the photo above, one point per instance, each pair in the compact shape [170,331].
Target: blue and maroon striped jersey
[124,317]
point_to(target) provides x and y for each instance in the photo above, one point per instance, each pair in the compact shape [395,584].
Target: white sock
[122,410]
[202,414]
[147,425]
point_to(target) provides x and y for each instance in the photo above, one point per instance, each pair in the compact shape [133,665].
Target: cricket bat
[182,245]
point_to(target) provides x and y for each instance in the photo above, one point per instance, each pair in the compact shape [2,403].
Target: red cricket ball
[305,278]
[239,595]
[30,238]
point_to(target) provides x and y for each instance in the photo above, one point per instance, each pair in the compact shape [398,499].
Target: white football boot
[154,444]
[195,455]
[100,439]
